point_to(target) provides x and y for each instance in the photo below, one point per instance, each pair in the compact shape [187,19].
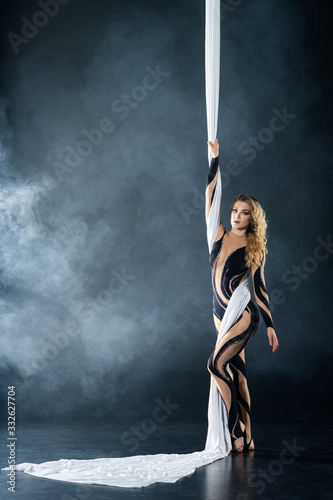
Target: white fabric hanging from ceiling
[212,78]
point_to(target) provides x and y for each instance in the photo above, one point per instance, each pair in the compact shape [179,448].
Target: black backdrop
[106,300]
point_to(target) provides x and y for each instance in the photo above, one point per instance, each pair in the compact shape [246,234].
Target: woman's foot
[249,447]
[238,445]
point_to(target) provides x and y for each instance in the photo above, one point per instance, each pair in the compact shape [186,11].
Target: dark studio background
[106,299]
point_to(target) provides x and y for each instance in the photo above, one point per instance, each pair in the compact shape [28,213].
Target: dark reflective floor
[291,461]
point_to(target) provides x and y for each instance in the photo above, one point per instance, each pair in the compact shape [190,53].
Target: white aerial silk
[143,470]
[218,436]
[212,73]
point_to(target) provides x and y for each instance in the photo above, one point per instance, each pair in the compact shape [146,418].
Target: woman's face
[240,215]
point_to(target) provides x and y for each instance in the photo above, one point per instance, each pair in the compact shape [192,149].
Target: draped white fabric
[218,436]
[212,78]
[143,470]
[124,472]
[212,67]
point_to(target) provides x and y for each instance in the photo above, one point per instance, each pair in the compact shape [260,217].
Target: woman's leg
[239,376]
[232,343]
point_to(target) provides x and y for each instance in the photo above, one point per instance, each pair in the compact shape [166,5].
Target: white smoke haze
[105,289]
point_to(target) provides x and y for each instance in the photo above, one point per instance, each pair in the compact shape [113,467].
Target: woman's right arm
[213,196]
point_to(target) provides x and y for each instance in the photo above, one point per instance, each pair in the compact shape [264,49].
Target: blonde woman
[234,255]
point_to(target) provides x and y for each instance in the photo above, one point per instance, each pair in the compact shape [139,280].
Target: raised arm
[261,295]
[213,197]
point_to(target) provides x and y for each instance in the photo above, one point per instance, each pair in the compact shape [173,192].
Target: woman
[233,256]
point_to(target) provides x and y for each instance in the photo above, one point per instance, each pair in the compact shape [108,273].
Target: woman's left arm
[260,291]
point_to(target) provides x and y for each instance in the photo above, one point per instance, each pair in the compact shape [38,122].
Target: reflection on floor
[292,461]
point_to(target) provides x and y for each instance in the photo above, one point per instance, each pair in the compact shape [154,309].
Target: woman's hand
[215,148]
[272,338]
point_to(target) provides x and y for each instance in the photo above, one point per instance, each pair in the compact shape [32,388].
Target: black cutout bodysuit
[227,362]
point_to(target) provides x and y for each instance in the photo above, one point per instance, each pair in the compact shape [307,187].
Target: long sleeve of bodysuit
[260,292]
[213,196]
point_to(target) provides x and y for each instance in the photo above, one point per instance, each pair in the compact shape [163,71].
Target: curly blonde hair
[256,238]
